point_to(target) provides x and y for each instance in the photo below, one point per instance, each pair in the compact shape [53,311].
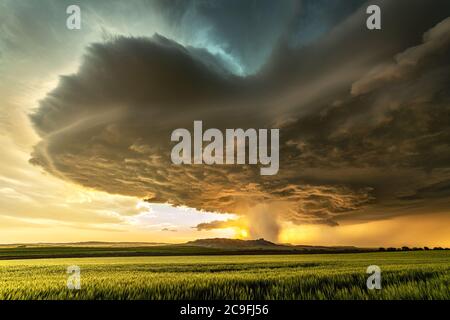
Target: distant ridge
[212,243]
[232,243]
[239,244]
[84,244]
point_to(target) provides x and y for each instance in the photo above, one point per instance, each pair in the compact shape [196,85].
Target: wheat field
[405,275]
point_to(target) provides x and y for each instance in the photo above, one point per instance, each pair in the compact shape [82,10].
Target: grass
[405,275]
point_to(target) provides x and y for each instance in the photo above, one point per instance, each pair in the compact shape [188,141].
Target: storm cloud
[364,119]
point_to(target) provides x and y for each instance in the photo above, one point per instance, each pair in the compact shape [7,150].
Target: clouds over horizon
[363,117]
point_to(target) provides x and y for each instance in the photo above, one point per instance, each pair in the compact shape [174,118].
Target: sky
[364,118]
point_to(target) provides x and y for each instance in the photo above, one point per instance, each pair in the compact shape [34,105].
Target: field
[405,275]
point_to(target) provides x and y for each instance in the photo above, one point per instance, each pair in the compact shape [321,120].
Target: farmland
[405,275]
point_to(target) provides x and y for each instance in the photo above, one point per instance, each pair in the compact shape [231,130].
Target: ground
[404,275]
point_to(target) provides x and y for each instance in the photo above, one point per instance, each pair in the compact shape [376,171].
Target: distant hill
[82,244]
[233,243]
[210,243]
[262,244]
[115,244]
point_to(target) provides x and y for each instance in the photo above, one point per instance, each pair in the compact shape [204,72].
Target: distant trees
[405,248]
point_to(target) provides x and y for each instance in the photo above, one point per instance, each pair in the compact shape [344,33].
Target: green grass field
[405,275]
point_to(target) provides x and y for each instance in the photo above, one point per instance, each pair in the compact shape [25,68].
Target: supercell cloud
[364,118]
